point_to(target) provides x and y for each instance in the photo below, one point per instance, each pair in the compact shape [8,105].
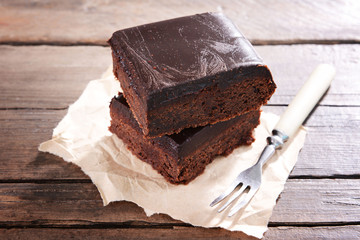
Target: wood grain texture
[315,233]
[324,200]
[43,197]
[292,65]
[48,77]
[331,146]
[21,133]
[303,201]
[177,233]
[93,22]
[54,77]
[332,143]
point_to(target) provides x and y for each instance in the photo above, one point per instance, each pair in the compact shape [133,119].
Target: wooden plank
[331,147]
[177,233]
[332,143]
[94,21]
[323,200]
[292,65]
[306,233]
[21,133]
[48,77]
[304,201]
[56,76]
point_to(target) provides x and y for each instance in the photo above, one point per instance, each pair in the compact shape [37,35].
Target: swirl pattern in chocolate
[183,50]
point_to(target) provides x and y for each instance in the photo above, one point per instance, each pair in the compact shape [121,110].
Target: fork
[290,121]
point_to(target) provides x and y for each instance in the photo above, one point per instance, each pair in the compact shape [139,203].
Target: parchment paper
[82,137]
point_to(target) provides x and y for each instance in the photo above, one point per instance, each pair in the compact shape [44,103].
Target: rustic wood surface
[70,68]
[79,203]
[49,50]
[326,128]
[93,22]
[180,232]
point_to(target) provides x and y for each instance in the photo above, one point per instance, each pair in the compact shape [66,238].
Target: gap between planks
[76,181]
[253,42]
[298,233]
[268,105]
[144,224]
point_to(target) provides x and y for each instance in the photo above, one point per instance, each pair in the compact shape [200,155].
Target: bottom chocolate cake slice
[183,156]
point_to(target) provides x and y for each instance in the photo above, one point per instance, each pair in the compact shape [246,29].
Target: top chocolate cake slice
[188,72]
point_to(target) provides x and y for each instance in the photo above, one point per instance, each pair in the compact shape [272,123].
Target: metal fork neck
[275,141]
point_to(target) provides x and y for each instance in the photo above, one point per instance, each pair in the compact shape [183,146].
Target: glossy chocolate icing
[183,55]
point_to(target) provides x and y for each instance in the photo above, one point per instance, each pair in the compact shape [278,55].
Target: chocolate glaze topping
[182,53]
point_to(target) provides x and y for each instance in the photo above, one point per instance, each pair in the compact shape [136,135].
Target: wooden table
[50,50]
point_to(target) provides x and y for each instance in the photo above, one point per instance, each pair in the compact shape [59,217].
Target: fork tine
[225,194]
[233,197]
[248,197]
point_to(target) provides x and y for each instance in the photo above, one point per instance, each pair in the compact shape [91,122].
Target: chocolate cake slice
[188,72]
[183,156]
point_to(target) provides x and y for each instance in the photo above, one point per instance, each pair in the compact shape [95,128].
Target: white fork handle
[305,100]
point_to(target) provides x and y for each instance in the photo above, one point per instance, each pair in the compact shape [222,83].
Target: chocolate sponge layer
[181,157]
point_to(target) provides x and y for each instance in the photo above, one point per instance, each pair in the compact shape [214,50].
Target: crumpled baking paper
[82,137]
